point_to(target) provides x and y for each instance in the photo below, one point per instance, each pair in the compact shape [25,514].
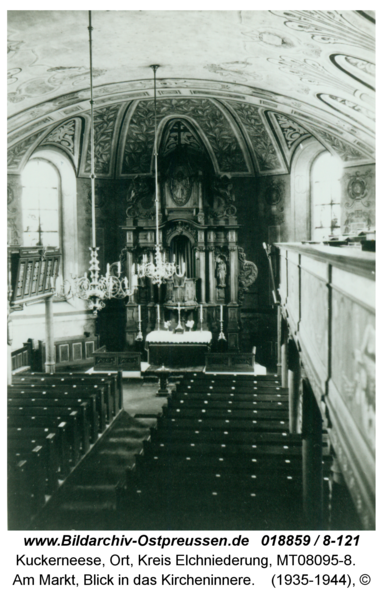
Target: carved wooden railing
[32,273]
[22,357]
[328,299]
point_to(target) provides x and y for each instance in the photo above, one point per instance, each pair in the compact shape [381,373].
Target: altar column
[234,268]
[212,282]
[202,274]
[129,272]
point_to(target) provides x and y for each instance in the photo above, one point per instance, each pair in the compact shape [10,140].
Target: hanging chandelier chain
[159,270]
[95,288]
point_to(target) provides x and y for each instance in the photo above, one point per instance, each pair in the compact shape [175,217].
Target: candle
[158,313]
[119,268]
[201,313]
[221,318]
[107,270]
[139,312]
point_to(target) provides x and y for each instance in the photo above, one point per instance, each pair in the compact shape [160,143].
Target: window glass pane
[48,198]
[50,238]
[49,220]
[31,238]
[30,198]
[30,221]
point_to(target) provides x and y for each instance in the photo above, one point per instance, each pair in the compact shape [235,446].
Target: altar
[187,349]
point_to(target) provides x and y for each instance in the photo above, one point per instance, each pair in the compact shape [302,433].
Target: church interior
[191,270]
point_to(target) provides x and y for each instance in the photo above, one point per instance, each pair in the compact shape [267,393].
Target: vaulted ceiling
[249,86]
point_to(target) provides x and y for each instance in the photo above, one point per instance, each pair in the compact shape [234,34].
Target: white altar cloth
[188,337]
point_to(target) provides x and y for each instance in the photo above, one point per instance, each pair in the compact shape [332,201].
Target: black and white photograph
[191,271]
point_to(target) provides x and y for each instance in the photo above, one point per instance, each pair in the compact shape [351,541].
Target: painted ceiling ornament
[211,119]
[63,136]
[327,27]
[310,71]
[17,152]
[248,273]
[359,69]
[291,131]
[104,125]
[347,152]
[264,149]
[357,189]
[347,107]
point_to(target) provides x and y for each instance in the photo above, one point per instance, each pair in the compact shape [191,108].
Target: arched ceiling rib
[281,76]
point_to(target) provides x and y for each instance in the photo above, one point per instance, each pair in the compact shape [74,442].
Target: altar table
[178,349]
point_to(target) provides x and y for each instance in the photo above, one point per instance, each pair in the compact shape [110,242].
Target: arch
[69,237]
[194,126]
[301,163]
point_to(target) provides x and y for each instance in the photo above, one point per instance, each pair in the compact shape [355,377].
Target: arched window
[41,204]
[325,196]
[50,174]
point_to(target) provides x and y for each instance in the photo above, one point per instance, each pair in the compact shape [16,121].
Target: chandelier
[95,288]
[159,270]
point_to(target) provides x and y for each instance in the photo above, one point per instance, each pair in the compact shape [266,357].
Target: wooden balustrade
[327,298]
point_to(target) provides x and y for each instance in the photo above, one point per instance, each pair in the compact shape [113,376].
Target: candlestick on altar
[221,334]
[179,329]
[139,313]
[201,315]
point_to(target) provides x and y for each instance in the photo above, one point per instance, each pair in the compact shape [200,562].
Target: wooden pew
[25,490]
[218,385]
[31,398]
[228,424]
[61,380]
[230,376]
[27,438]
[211,412]
[114,379]
[228,395]
[75,394]
[77,419]
[175,402]
[59,427]
[166,433]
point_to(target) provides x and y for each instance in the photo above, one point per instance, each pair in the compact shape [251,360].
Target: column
[211,259]
[284,352]
[312,470]
[202,272]
[294,376]
[50,362]
[129,272]
[233,275]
